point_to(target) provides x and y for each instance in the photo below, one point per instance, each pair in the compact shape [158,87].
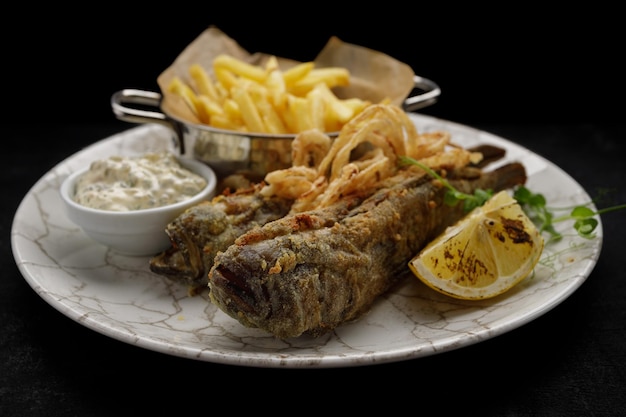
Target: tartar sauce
[133,183]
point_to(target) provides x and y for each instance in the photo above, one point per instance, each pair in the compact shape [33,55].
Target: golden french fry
[288,116]
[222,92]
[239,67]
[275,83]
[226,79]
[297,117]
[224,122]
[274,123]
[249,112]
[231,110]
[357,105]
[207,108]
[316,110]
[271,64]
[331,76]
[178,87]
[271,119]
[202,112]
[204,84]
[277,90]
[297,72]
[337,112]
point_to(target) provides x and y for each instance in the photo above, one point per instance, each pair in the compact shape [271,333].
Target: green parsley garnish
[533,204]
[453,196]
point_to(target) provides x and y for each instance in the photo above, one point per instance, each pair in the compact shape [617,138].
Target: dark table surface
[553,84]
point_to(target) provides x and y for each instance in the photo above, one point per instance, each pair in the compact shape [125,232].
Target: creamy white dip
[133,183]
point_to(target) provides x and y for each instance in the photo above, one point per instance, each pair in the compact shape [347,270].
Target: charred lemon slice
[484,254]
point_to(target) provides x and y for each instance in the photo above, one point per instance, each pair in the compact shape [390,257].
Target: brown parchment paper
[374,75]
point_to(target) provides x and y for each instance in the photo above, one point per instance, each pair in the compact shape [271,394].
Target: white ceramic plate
[119,297]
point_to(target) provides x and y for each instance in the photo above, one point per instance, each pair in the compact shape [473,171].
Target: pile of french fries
[266,99]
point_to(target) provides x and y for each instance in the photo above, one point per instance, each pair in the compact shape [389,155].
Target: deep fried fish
[203,230]
[309,272]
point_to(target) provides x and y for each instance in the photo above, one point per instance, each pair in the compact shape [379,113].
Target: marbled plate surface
[119,297]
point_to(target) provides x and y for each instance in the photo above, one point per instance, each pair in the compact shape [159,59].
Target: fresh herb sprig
[533,204]
[453,196]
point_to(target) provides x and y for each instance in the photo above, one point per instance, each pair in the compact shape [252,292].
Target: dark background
[551,80]
[493,64]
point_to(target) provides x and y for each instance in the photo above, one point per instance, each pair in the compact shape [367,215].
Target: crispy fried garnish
[366,152]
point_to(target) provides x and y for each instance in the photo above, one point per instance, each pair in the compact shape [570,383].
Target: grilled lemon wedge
[484,254]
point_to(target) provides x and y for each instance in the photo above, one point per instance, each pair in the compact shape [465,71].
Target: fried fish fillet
[203,230]
[200,232]
[309,272]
